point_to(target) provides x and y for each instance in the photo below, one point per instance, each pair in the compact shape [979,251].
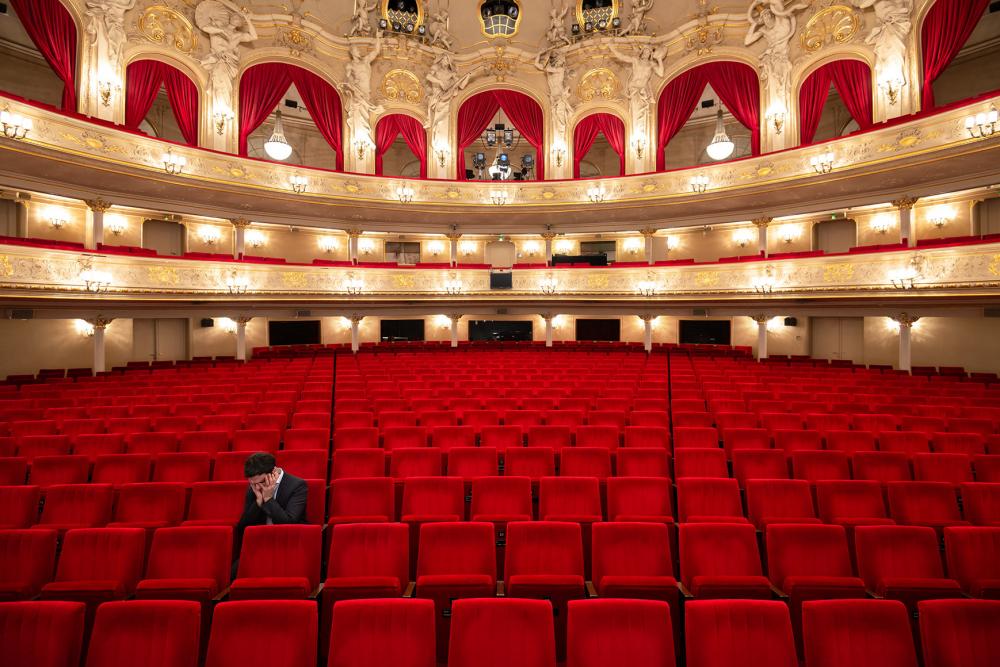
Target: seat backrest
[759,464]
[451,548]
[307,438]
[959,633]
[157,633]
[806,550]
[920,502]
[404,437]
[282,551]
[373,633]
[700,462]
[533,462]
[717,549]
[222,501]
[951,468]
[852,499]
[695,436]
[896,551]
[857,633]
[569,496]
[543,547]
[78,504]
[416,462]
[501,496]
[358,463]
[370,550]
[27,560]
[603,436]
[192,552]
[972,554]
[643,462]
[608,633]
[151,502]
[910,442]
[721,633]
[819,465]
[981,502]
[20,505]
[630,549]
[697,496]
[447,438]
[476,625]
[362,497]
[647,436]
[289,627]
[472,462]
[434,496]
[638,496]
[778,499]
[41,634]
[850,442]
[585,462]
[355,437]
[108,554]
[882,466]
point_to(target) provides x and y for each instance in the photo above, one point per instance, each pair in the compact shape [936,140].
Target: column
[648,234]
[352,244]
[548,317]
[548,236]
[647,332]
[761,224]
[100,324]
[453,238]
[355,331]
[454,317]
[906,322]
[95,233]
[761,321]
[21,218]
[241,338]
[905,206]
[239,236]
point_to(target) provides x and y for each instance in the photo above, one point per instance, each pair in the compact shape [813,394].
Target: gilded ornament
[352,187]
[404,282]
[600,82]
[705,36]
[500,67]
[7,270]
[162,25]
[295,40]
[838,273]
[908,138]
[994,265]
[401,85]
[297,280]
[765,169]
[706,278]
[599,281]
[163,275]
[836,24]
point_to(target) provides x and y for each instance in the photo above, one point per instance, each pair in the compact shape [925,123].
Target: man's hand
[256,488]
[267,488]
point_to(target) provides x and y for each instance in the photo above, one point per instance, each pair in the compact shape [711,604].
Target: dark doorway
[293,333]
[603,330]
[391,330]
[706,332]
[493,330]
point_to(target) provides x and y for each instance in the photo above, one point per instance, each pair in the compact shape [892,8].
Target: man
[274,496]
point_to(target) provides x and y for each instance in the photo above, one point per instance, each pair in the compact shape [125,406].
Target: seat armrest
[500,589]
[315,593]
[222,594]
[591,591]
[778,592]
[410,588]
[684,591]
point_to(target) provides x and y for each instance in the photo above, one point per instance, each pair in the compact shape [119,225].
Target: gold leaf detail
[600,82]
[401,85]
[404,282]
[837,24]
[163,274]
[597,282]
[162,25]
[294,279]
[706,278]
[838,273]
[994,265]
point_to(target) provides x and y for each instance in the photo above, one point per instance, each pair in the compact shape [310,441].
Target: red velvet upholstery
[820,465]
[640,499]
[709,500]
[882,466]
[469,463]
[358,437]
[857,633]
[188,563]
[27,562]
[721,560]
[908,442]
[216,503]
[76,506]
[933,504]
[643,462]
[959,633]
[48,471]
[150,505]
[361,500]
[97,565]
[585,462]
[186,467]
[646,436]
[209,442]
[304,463]
[738,633]
[160,633]
[119,469]
[607,633]
[973,557]
[349,463]
[278,562]
[850,442]
[288,628]
[20,505]
[526,625]
[759,464]
[981,502]
[695,436]
[377,633]
[700,462]
[851,503]
[532,462]
[150,443]
[447,438]
[779,501]
[416,462]
[41,634]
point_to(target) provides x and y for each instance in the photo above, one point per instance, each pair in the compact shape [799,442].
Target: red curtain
[391,126]
[476,113]
[261,88]
[143,79]
[853,81]
[737,87]
[323,103]
[613,129]
[947,28]
[53,31]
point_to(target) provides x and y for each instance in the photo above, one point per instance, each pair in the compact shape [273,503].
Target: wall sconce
[699,184]
[763,284]
[328,244]
[632,245]
[96,281]
[105,88]
[366,246]
[823,163]
[903,278]
[743,237]
[940,216]
[596,194]
[221,118]
[442,155]
[173,164]
[776,117]
[499,197]
[891,85]
[646,287]
[298,183]
[228,325]
[360,146]
[210,235]
[237,284]
[115,224]
[255,238]
[564,246]
[435,248]
[83,327]
[882,223]
[559,154]
[558,322]
[453,285]
[978,126]
[790,233]
[530,248]
[405,194]
[640,146]
[15,126]
[672,243]
[56,217]
[443,322]
[353,284]
[467,248]
[548,284]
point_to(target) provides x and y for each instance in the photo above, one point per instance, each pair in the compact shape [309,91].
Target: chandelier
[721,146]
[276,147]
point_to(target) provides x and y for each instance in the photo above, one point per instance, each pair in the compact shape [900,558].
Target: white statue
[888,38]
[443,84]
[437,29]
[644,66]
[106,26]
[556,74]
[776,23]
[227,27]
[637,19]
[556,34]
[360,23]
[358,85]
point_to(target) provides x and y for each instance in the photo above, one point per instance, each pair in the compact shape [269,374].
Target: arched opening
[832,97]
[691,104]
[481,140]
[153,87]
[959,51]
[600,138]
[313,118]
[47,29]
[398,138]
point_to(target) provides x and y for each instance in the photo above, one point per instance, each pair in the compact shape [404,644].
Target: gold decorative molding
[243,320]
[905,203]
[761,318]
[239,223]
[905,320]
[162,25]
[98,205]
[600,82]
[762,221]
[836,24]
[648,231]
[100,322]
[401,85]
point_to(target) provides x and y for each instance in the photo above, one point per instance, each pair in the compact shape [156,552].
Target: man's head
[257,467]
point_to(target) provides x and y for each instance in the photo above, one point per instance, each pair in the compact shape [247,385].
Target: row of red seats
[523,418]
[601,633]
[984,424]
[231,419]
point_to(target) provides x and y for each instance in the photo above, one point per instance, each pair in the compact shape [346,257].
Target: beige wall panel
[36,344]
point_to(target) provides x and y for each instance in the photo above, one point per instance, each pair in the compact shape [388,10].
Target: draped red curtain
[613,129]
[323,103]
[946,29]
[738,89]
[391,126]
[853,81]
[261,88]
[50,26]
[476,113]
[143,79]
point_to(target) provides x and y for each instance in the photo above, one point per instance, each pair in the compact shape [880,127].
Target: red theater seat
[857,633]
[820,465]
[93,445]
[981,502]
[186,468]
[376,633]
[695,436]
[607,633]
[700,462]
[603,436]
[150,443]
[851,503]
[97,565]
[533,462]
[772,501]
[289,629]
[216,503]
[585,462]
[188,563]
[358,463]
[41,634]
[278,562]
[759,464]
[721,561]
[447,438]
[476,625]
[469,463]
[959,633]
[738,633]
[306,438]
[882,466]
[908,442]
[304,463]
[361,500]
[154,633]
[150,506]
[27,562]
[362,437]
[933,504]
[208,442]
[646,436]
[643,462]
[709,500]
[973,556]
[20,505]
[76,506]
[850,442]
[640,499]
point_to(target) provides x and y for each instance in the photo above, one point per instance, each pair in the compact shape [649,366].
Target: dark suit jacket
[288,506]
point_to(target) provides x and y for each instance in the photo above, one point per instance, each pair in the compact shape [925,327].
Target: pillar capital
[647,317]
[100,322]
[905,320]
[354,233]
[97,205]
[548,236]
[762,221]
[239,223]
[453,236]
[904,203]
[242,320]
[455,317]
[355,318]
[548,317]
[648,232]
[760,318]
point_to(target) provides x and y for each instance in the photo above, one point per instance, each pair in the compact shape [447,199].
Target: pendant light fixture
[276,147]
[721,146]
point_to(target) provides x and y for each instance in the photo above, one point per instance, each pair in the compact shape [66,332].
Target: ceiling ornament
[401,85]
[296,40]
[500,67]
[162,25]
[600,82]
[836,24]
[706,35]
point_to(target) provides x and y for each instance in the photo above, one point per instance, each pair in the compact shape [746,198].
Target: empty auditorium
[500,333]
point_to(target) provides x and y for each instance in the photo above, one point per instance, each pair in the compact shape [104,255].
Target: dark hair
[259,463]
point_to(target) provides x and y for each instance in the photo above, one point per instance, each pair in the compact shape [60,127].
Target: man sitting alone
[274,496]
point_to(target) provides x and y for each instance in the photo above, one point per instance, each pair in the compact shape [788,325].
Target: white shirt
[281,473]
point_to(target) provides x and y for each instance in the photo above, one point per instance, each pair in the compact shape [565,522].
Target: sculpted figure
[637,19]
[443,84]
[556,74]
[438,30]
[360,23]
[888,38]
[227,28]
[359,86]
[776,23]
[649,62]
[106,23]
[556,34]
